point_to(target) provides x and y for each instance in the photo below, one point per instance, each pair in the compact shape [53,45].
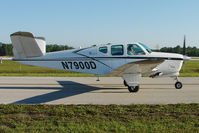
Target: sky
[156,23]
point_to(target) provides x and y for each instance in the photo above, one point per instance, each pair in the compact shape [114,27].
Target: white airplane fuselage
[91,60]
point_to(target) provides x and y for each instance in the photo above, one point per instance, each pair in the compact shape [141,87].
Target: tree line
[6,49]
[55,47]
[190,51]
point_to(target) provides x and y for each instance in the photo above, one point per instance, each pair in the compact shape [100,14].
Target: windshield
[147,48]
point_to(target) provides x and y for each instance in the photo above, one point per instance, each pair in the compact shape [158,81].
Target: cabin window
[103,49]
[117,50]
[134,49]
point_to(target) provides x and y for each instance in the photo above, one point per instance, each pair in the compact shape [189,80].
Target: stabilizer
[25,45]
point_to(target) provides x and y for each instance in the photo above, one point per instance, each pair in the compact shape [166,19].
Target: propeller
[184,46]
[185,57]
[184,52]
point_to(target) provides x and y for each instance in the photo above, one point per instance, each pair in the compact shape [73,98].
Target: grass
[11,68]
[191,69]
[99,118]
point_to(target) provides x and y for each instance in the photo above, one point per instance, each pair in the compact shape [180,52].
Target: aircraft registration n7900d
[130,61]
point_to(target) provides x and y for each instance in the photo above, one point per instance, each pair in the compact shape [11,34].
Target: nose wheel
[178,84]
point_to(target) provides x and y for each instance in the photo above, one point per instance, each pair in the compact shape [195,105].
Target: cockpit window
[134,49]
[117,50]
[147,48]
[103,49]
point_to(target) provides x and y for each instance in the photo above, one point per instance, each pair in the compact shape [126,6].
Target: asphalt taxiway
[86,90]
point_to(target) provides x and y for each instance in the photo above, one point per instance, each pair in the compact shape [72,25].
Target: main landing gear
[132,81]
[178,84]
[132,88]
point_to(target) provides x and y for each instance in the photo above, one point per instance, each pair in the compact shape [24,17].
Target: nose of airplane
[185,58]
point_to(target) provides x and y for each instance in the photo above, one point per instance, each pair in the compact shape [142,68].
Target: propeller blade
[184,53]
[184,46]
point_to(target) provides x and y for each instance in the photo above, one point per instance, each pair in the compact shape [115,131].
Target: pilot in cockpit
[130,50]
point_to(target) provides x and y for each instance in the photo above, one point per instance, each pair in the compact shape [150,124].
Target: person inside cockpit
[130,50]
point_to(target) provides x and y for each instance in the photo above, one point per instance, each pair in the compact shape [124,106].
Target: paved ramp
[86,90]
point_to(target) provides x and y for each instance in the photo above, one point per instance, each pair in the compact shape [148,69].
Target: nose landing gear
[178,84]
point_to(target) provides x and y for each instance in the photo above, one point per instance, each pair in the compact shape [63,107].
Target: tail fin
[25,45]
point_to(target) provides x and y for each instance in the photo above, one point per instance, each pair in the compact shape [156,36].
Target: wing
[144,67]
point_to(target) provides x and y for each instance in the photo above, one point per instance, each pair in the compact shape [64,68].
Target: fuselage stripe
[96,58]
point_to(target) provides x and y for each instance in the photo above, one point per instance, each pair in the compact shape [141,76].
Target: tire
[178,85]
[133,88]
[125,84]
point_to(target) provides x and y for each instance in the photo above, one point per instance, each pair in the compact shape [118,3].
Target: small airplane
[130,61]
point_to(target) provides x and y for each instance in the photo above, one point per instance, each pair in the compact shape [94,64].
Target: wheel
[125,84]
[133,88]
[178,85]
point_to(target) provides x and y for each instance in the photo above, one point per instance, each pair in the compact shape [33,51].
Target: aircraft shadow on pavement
[67,89]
